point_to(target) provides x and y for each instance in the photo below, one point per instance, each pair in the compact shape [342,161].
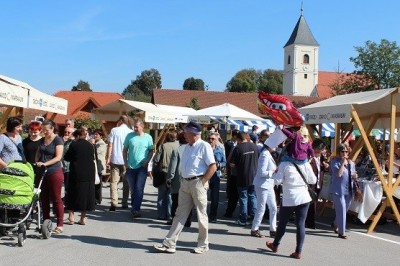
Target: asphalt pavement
[114,238]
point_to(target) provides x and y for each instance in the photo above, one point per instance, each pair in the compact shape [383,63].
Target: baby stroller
[19,199]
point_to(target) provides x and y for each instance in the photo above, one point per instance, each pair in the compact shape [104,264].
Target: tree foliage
[194,103]
[193,84]
[142,87]
[82,86]
[87,122]
[378,64]
[251,80]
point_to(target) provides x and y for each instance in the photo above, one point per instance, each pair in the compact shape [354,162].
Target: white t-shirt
[196,158]
[117,138]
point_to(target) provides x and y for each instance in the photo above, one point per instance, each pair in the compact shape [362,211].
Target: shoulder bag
[313,194]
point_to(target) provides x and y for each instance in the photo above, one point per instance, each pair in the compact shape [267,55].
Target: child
[299,149]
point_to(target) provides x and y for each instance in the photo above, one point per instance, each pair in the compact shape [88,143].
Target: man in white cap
[197,167]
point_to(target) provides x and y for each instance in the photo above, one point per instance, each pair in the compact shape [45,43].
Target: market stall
[363,111]
[16,95]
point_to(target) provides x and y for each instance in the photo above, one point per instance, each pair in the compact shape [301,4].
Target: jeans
[214,195]
[51,191]
[136,179]
[247,202]
[164,202]
[285,213]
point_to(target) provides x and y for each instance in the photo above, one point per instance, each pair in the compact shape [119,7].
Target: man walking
[245,161]
[137,152]
[115,161]
[197,167]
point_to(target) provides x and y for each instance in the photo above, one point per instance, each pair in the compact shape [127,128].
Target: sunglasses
[345,151]
[211,138]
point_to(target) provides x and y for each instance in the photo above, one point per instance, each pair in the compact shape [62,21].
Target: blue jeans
[137,180]
[164,202]
[214,195]
[247,202]
[285,213]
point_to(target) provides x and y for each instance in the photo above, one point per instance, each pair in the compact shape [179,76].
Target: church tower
[300,72]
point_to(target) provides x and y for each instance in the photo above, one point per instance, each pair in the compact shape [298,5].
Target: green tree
[271,81]
[379,64]
[87,122]
[143,85]
[194,103]
[193,84]
[82,86]
[251,80]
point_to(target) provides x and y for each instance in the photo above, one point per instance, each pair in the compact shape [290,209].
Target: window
[288,60]
[306,59]
[305,76]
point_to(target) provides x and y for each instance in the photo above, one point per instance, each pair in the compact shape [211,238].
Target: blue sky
[53,44]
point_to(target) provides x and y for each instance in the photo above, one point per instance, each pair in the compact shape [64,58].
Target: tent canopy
[228,111]
[153,113]
[20,94]
[365,110]
[338,109]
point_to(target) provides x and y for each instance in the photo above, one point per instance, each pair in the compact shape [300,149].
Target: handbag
[159,177]
[313,194]
[96,170]
[357,191]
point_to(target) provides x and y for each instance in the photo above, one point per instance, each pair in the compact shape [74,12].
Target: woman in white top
[264,186]
[295,199]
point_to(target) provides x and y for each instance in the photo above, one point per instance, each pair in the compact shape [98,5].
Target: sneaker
[113,208]
[136,215]
[238,222]
[164,247]
[200,250]
[125,206]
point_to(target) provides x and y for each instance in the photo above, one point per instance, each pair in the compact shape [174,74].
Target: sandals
[256,233]
[82,221]
[57,231]
[71,221]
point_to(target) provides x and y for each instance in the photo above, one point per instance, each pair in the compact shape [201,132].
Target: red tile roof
[79,99]
[246,101]
[326,80]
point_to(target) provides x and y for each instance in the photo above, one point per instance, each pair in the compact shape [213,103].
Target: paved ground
[112,238]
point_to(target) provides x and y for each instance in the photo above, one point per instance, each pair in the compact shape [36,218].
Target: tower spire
[301,10]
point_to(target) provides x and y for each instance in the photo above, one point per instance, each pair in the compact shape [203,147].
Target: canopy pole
[359,143]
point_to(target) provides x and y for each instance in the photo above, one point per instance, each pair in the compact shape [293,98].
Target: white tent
[165,114]
[20,94]
[228,111]
[365,111]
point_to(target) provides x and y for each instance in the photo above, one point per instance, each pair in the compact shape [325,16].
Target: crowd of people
[259,178]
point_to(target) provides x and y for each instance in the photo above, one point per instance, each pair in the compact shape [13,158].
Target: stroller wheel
[21,235]
[46,228]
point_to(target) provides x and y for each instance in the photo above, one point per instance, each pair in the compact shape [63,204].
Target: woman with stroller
[49,155]
[81,188]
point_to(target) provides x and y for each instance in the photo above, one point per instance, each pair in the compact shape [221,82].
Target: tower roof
[302,34]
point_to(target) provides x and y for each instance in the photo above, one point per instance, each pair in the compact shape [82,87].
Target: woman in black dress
[81,196]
